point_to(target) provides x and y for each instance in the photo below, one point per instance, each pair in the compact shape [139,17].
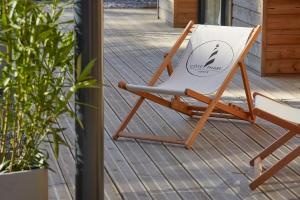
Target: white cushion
[275,108]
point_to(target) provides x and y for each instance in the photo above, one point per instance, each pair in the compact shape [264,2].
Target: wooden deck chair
[284,116]
[211,59]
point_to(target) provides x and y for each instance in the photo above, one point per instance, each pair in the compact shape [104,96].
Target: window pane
[228,12]
[217,12]
[212,12]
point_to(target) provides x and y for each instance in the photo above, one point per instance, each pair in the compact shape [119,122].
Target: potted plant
[36,86]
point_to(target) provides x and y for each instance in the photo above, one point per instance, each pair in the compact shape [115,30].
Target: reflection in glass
[217,12]
[212,12]
[228,10]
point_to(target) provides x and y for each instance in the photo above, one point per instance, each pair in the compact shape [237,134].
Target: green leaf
[4,167]
[12,9]
[86,71]
[6,81]
[57,141]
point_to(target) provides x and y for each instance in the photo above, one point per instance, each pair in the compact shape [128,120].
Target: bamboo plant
[36,81]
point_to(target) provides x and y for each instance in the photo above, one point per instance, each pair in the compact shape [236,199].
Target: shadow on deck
[216,168]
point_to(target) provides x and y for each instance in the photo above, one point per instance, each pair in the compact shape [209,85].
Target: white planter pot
[26,185]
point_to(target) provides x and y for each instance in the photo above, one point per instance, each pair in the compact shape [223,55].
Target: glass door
[215,12]
[212,12]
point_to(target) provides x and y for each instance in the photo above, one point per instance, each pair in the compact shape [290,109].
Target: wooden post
[89,144]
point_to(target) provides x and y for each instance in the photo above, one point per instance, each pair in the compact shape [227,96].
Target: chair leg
[247,89]
[273,146]
[128,118]
[199,126]
[275,168]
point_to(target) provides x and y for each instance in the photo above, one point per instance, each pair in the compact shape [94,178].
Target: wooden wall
[281,38]
[184,11]
[248,13]
[178,12]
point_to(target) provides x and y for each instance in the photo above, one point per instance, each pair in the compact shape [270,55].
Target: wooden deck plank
[132,57]
[144,168]
[172,169]
[270,133]
[125,179]
[68,170]
[162,131]
[110,190]
[56,184]
[172,116]
[167,164]
[66,158]
[247,149]
[286,175]
[143,76]
[69,133]
[132,51]
[217,167]
[266,87]
[273,130]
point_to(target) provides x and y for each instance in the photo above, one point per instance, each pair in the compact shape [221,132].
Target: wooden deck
[217,167]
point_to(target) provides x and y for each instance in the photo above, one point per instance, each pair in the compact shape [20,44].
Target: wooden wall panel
[282,52]
[283,21]
[282,66]
[286,6]
[178,12]
[281,38]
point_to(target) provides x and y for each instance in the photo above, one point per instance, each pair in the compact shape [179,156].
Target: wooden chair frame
[215,108]
[263,175]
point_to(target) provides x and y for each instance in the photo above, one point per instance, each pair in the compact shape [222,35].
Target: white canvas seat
[284,116]
[211,59]
[275,108]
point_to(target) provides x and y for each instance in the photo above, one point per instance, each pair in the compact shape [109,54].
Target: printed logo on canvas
[210,58]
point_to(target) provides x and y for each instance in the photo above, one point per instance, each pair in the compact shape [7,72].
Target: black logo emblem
[210,58]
